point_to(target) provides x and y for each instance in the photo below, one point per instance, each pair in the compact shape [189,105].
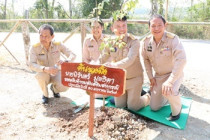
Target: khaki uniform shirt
[40,57]
[126,57]
[91,50]
[168,57]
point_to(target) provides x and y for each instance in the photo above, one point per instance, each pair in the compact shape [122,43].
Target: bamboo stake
[71,34]
[91,114]
[35,29]
[13,29]
[11,54]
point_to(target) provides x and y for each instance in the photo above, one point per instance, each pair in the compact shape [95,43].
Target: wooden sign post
[94,79]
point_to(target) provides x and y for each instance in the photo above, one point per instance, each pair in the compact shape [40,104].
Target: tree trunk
[46,9]
[70,8]
[5,10]
[13,9]
[160,11]
[191,7]
[154,7]
[52,9]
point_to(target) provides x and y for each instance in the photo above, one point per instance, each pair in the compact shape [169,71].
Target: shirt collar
[100,39]
[163,39]
[51,45]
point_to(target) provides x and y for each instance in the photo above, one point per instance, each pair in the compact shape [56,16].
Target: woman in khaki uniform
[163,52]
[91,45]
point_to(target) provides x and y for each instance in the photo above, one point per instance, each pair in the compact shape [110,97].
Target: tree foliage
[104,8]
[200,12]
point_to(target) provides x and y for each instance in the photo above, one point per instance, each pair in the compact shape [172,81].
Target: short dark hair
[157,16]
[124,18]
[47,27]
[98,20]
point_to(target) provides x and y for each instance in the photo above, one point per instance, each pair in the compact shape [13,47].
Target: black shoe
[44,100]
[112,100]
[56,95]
[173,118]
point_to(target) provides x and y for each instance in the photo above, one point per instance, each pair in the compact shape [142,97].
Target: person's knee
[42,76]
[61,88]
[120,104]
[134,107]
[155,107]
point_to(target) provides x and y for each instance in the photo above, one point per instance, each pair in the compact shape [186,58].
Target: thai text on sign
[94,78]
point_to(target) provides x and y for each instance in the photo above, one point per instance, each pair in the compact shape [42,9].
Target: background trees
[179,10]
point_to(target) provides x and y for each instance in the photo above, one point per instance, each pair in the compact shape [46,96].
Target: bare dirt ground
[22,116]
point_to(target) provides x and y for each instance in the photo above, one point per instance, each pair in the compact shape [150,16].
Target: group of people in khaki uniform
[162,52]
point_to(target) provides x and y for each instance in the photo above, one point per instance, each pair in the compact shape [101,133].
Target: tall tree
[5,9]
[191,7]
[160,9]
[70,8]
[154,7]
[45,2]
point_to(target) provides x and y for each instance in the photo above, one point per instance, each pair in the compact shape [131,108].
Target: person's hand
[110,64]
[167,88]
[152,83]
[59,62]
[51,70]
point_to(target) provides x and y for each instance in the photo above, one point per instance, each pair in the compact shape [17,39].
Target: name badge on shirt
[149,47]
[90,46]
[42,53]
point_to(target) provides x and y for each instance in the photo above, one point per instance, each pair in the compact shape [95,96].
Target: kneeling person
[164,53]
[127,57]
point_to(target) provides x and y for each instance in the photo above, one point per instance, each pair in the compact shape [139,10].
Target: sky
[20,5]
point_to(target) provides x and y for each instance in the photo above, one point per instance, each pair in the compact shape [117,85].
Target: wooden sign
[94,78]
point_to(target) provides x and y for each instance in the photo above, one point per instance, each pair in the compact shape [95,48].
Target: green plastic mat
[162,115]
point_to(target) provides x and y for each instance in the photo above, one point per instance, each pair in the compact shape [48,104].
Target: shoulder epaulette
[56,43]
[132,36]
[36,45]
[170,35]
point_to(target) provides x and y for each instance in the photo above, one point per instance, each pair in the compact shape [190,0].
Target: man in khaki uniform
[127,57]
[91,52]
[45,60]
[163,52]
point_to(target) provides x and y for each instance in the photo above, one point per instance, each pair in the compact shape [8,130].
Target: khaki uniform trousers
[44,79]
[158,100]
[132,98]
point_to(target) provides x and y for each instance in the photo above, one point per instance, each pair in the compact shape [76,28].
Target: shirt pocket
[41,57]
[167,53]
[55,55]
[93,51]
